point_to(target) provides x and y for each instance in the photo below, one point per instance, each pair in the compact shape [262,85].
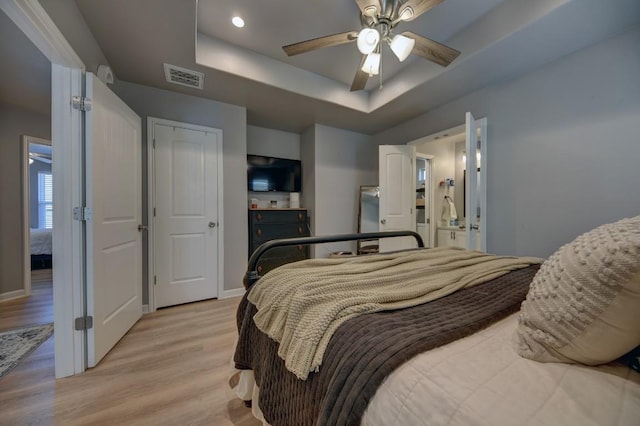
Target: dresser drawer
[277,216]
[271,231]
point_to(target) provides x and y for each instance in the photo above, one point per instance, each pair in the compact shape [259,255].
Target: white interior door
[114,242]
[397,194]
[186,225]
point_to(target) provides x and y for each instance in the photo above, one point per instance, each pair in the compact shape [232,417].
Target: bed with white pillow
[555,362]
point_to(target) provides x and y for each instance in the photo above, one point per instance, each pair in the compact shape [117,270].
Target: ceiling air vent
[183,76]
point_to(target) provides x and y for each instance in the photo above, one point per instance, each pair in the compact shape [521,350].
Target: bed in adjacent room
[41,248]
[491,341]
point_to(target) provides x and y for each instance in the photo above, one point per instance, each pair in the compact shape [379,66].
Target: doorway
[37,212]
[185,205]
[449,161]
[424,198]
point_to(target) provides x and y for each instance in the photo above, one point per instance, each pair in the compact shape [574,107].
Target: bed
[41,248]
[467,357]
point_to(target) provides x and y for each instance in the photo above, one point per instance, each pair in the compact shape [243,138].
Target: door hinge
[82,213]
[84,323]
[154,212]
[154,144]
[154,280]
[81,103]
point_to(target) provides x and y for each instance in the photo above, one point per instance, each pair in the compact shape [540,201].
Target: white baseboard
[236,292]
[145,309]
[12,295]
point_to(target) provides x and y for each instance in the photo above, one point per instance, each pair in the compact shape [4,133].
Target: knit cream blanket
[300,305]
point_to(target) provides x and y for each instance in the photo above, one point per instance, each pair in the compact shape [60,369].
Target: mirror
[368,216]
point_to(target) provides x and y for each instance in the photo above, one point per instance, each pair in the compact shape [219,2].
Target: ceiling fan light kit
[372,64]
[368,40]
[379,18]
[402,46]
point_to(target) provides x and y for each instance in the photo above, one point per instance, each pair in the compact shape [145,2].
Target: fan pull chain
[381,68]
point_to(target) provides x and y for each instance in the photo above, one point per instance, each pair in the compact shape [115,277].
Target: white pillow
[583,305]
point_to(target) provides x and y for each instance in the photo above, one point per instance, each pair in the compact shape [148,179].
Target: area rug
[16,345]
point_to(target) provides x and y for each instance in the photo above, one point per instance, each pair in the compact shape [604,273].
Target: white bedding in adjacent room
[41,241]
[481,380]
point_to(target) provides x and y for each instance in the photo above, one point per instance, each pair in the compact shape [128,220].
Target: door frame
[66,138]
[151,122]
[26,207]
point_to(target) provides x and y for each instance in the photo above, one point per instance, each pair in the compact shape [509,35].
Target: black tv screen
[273,174]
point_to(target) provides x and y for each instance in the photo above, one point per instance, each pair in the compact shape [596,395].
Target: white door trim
[36,24]
[66,133]
[26,208]
[151,122]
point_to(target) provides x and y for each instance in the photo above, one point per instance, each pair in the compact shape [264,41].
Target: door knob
[142,228]
[474,226]
[383,221]
[212,224]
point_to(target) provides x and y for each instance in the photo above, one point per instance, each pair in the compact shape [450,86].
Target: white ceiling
[499,40]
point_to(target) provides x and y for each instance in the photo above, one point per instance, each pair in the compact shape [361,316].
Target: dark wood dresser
[271,224]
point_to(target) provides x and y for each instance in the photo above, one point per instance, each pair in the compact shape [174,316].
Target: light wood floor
[171,368]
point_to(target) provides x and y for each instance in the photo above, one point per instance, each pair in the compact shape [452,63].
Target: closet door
[397,194]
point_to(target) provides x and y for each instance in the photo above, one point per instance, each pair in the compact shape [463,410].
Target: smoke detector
[184,77]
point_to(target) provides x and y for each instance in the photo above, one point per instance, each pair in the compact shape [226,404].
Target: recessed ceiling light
[238,21]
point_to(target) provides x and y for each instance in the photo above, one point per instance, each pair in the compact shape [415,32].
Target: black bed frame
[41,261]
[252,274]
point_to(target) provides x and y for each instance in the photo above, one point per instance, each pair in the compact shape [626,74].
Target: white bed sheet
[41,241]
[480,380]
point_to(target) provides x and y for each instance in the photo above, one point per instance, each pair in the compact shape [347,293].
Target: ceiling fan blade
[40,157]
[361,77]
[369,7]
[411,9]
[318,43]
[432,50]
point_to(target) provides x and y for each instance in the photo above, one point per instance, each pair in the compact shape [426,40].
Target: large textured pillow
[583,305]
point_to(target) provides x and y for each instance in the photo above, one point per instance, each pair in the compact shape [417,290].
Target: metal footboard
[252,275]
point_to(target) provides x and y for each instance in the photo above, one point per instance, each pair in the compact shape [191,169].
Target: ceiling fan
[39,157]
[379,18]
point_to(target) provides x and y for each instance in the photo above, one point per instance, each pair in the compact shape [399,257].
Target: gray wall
[14,123]
[562,149]
[151,102]
[343,161]
[308,158]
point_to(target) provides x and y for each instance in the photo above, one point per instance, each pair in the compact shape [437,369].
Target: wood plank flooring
[26,311]
[171,368]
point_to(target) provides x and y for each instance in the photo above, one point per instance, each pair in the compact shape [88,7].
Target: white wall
[343,161]
[563,146]
[148,101]
[273,143]
[14,123]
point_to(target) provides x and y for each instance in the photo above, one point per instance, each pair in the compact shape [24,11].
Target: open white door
[114,239]
[475,195]
[397,194]
[186,227]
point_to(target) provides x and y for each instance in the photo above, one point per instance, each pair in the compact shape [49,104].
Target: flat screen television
[273,174]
